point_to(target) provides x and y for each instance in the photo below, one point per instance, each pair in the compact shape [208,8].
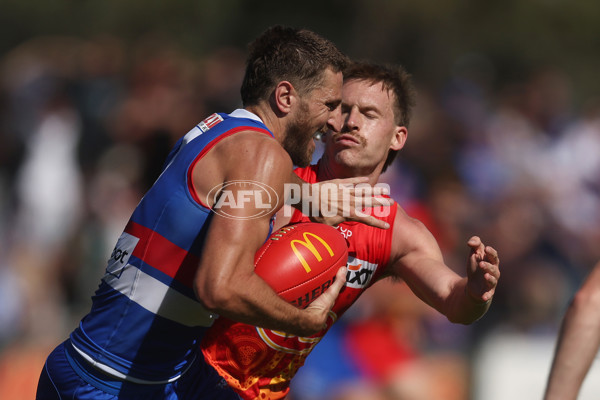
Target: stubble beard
[297,140]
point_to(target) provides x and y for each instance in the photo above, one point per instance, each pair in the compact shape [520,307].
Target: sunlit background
[504,143]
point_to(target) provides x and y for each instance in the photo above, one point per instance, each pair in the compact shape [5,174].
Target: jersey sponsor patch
[199,129]
[121,253]
[209,122]
[346,233]
[359,273]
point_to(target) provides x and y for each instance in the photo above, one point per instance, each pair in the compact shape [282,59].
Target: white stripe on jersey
[116,374]
[158,298]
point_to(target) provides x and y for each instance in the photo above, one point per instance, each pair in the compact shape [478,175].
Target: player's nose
[351,120]
[335,121]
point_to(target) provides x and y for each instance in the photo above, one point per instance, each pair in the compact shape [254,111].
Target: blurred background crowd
[504,143]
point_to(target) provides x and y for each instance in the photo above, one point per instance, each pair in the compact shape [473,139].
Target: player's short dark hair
[396,80]
[296,55]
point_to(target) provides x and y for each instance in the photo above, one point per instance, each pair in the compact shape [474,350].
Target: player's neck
[265,113]
[329,169]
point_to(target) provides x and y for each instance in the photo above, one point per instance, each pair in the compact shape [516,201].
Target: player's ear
[399,138]
[284,97]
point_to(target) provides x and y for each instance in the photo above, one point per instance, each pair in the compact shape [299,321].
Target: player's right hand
[352,196]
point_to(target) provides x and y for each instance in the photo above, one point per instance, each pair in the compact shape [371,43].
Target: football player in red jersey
[376,106]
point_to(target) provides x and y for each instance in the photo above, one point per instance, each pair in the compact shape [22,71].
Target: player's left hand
[323,304]
[483,271]
[351,199]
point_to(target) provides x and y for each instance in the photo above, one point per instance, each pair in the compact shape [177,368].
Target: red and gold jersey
[260,363]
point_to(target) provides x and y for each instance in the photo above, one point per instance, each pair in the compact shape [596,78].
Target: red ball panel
[300,261]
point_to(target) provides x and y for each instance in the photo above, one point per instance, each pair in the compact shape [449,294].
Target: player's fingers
[492,255]
[488,295]
[360,186]
[474,242]
[490,268]
[351,182]
[338,283]
[477,248]
[340,279]
[331,221]
[369,220]
[370,202]
[488,290]
[490,280]
[326,300]
[366,190]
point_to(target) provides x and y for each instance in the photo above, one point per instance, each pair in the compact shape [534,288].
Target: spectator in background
[48,183]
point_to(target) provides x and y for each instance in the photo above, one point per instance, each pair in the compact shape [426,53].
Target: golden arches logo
[311,247]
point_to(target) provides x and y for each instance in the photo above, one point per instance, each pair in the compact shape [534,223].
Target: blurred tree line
[428,36]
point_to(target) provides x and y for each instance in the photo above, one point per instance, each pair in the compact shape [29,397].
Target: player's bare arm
[578,341]
[225,281]
[417,259]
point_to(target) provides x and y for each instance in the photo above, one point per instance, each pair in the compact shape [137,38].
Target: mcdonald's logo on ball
[300,261]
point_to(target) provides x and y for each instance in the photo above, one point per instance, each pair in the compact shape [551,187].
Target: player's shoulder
[250,145]
[407,229]
[255,140]
[411,240]
[248,155]
[248,136]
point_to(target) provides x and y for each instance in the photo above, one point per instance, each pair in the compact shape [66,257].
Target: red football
[300,261]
